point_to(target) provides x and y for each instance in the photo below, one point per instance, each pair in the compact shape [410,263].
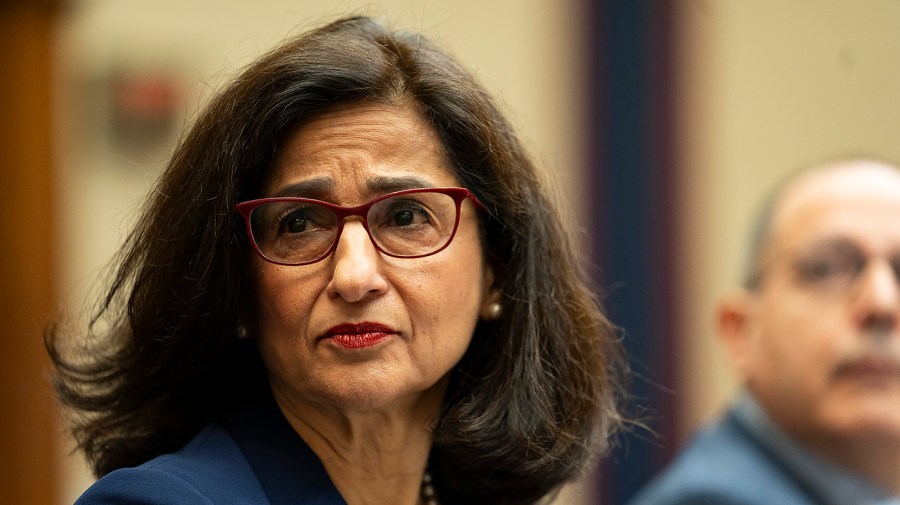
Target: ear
[736,329]
[491,297]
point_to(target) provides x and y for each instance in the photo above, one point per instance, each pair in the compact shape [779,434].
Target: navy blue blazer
[726,465]
[251,458]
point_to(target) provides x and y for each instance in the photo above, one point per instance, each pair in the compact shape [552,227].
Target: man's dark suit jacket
[254,458]
[726,465]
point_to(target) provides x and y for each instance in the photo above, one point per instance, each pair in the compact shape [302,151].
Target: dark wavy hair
[538,393]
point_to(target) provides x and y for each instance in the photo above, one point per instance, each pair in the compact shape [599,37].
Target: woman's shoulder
[210,469]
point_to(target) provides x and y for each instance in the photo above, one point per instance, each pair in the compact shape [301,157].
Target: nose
[356,264]
[877,302]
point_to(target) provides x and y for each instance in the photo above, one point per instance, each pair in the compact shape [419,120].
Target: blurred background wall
[703,106]
[662,122]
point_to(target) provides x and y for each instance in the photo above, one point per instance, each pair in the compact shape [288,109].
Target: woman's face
[359,330]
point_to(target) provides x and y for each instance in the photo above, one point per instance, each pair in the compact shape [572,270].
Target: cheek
[446,300]
[283,305]
[282,298]
[447,293]
[798,341]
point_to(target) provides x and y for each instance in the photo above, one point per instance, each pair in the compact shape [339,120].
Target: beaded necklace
[429,497]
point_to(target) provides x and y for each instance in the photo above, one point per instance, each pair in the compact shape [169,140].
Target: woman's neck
[373,457]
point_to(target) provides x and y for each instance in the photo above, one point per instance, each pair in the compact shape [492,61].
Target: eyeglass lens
[405,225]
[835,266]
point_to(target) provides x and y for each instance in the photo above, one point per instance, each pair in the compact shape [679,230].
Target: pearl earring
[241,332]
[495,310]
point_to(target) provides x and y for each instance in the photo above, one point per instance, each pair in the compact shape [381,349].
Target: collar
[832,483]
[286,468]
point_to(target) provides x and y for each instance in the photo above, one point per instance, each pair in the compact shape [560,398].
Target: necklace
[428,495]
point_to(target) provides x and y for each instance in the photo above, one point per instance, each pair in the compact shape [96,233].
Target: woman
[348,287]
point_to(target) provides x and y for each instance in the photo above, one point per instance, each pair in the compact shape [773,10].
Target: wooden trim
[28,427]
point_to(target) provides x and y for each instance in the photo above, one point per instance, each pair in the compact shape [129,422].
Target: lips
[358,335]
[877,366]
[871,366]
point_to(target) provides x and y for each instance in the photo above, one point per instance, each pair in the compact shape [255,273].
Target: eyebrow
[319,188]
[840,244]
[380,185]
[846,245]
[316,188]
[831,242]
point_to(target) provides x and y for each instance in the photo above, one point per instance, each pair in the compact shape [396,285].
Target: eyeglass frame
[458,195]
[801,263]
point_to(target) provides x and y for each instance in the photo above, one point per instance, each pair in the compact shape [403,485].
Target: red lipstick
[357,335]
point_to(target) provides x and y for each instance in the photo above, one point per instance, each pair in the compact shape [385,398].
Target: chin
[374,396]
[885,427]
[875,420]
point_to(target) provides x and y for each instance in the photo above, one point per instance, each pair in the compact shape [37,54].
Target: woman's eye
[297,221]
[403,218]
[295,225]
[405,214]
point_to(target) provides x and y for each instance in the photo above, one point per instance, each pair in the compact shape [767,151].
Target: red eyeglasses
[405,224]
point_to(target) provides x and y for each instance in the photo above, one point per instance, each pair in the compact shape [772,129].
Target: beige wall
[767,86]
[525,51]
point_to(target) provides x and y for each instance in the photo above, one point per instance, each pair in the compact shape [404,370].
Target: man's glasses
[406,224]
[834,266]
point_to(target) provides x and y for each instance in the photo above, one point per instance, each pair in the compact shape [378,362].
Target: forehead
[859,202]
[352,145]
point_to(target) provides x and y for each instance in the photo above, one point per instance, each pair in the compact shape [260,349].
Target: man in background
[814,335]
